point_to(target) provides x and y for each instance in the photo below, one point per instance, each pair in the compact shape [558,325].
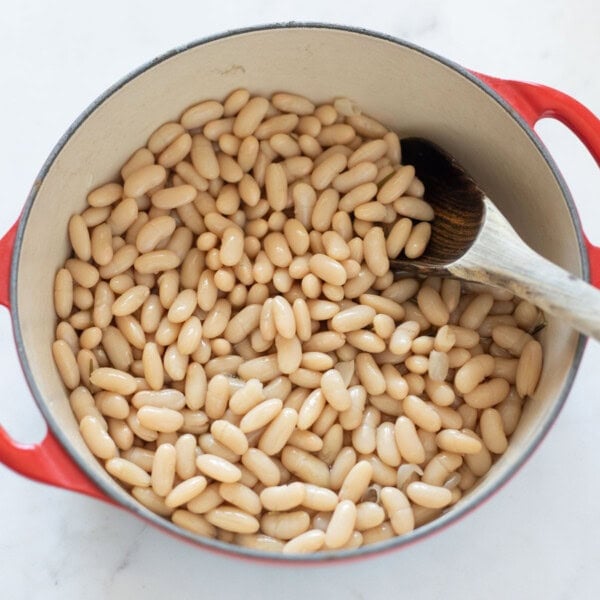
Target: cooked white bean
[127,472]
[529,368]
[218,468]
[341,526]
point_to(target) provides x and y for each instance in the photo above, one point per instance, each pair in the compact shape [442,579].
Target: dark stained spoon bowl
[472,240]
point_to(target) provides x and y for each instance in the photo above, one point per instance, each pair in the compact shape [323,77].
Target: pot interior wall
[409,91]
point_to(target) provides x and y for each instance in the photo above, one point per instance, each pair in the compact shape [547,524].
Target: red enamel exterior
[6,252]
[49,463]
[534,102]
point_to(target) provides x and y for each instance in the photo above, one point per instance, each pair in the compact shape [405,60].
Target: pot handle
[534,102]
[46,461]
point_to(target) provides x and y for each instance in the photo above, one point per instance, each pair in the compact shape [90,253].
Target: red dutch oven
[486,123]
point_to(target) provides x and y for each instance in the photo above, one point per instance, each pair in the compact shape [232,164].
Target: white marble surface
[538,538]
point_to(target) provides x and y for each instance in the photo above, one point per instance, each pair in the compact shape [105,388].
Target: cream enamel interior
[404,88]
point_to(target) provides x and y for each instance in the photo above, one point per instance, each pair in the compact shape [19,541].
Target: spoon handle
[500,257]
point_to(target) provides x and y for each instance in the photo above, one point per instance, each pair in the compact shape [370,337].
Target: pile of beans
[238,354]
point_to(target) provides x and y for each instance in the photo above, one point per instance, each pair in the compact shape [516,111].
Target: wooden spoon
[472,240]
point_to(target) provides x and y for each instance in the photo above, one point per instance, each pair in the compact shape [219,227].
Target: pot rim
[394,543]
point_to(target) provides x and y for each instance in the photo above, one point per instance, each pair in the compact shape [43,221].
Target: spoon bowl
[472,240]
